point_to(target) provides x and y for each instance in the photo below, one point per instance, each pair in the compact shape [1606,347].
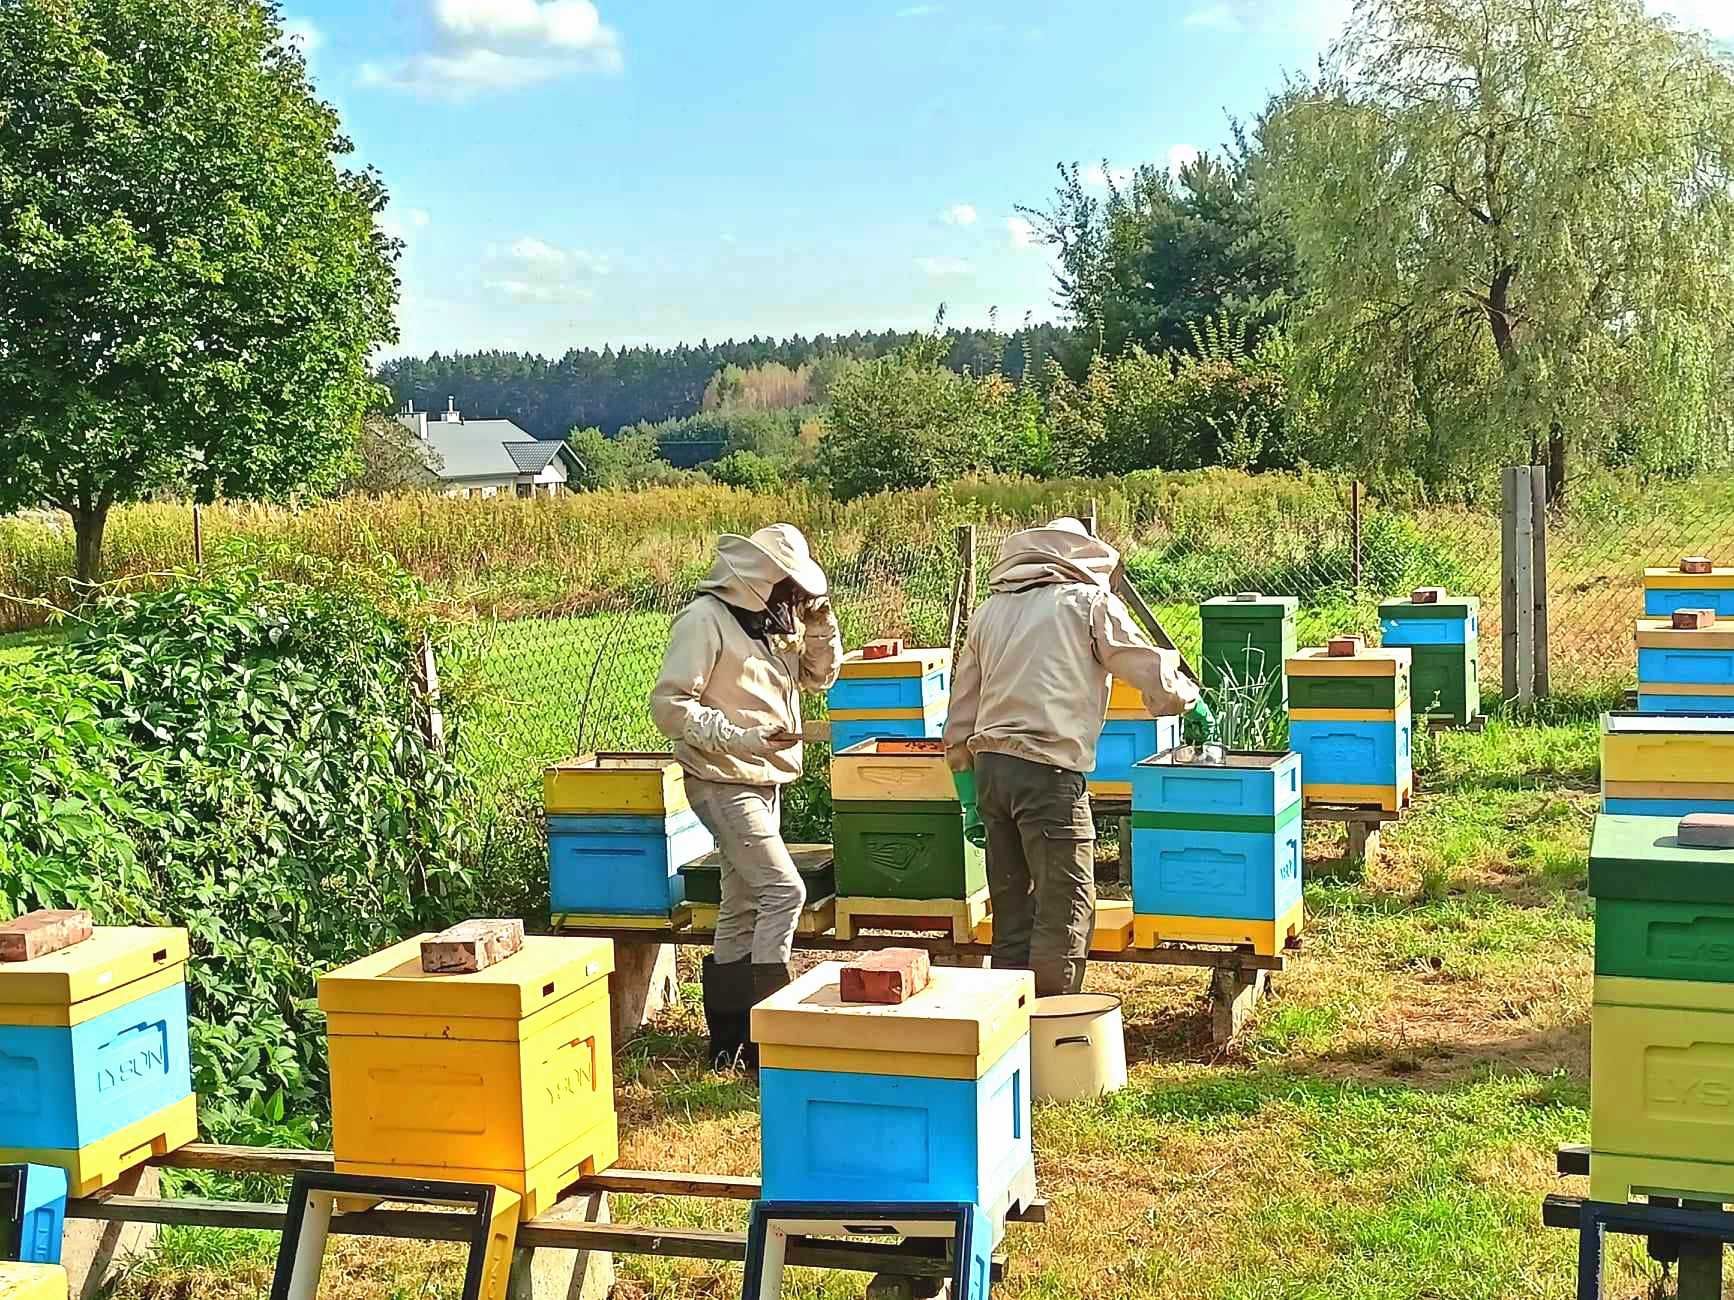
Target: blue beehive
[905,694]
[1350,722]
[1693,585]
[846,734]
[1685,670]
[1125,742]
[94,1076]
[1216,854]
[922,1102]
[32,1213]
[622,865]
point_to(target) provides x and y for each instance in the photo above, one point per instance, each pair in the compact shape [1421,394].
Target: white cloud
[945,265]
[959,214]
[1098,175]
[1023,234]
[1180,156]
[917,11]
[1320,18]
[531,270]
[1713,16]
[303,34]
[402,223]
[488,45]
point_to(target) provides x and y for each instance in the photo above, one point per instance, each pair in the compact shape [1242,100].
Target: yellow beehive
[32,1281]
[1112,931]
[642,785]
[1125,700]
[1662,1089]
[893,768]
[501,1076]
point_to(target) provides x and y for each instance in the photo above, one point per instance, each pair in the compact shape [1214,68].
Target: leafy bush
[750,471]
[630,461]
[244,756]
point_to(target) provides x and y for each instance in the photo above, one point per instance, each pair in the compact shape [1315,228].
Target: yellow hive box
[815,919]
[893,768]
[1674,580]
[503,1076]
[1125,700]
[1661,1089]
[643,785]
[956,1028]
[32,1281]
[1661,634]
[911,663]
[1112,931]
[1267,938]
[1665,757]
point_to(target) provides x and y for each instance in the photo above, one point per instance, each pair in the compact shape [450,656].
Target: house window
[526,489]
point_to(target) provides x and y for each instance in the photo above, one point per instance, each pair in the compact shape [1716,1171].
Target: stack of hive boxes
[1217,850]
[1443,636]
[32,1213]
[1248,638]
[619,830]
[897,837]
[502,1075]
[1695,583]
[1662,1034]
[922,1102]
[1686,663]
[94,1077]
[904,693]
[1667,765]
[1349,722]
[1129,735]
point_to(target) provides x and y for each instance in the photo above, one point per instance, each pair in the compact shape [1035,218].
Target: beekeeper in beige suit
[1027,703]
[760,631]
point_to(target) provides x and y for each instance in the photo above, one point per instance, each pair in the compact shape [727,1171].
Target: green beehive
[1442,634]
[1249,636]
[906,850]
[813,861]
[1664,910]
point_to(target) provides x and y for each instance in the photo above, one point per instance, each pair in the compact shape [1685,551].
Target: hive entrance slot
[547,990]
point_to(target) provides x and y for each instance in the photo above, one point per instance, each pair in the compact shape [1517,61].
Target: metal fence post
[1517,583]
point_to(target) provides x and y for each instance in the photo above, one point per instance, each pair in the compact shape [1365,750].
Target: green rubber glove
[973,830]
[1206,721]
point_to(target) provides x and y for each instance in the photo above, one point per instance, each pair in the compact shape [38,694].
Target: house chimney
[451,415]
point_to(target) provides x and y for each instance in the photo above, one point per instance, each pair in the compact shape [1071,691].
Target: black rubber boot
[727,1004]
[768,977]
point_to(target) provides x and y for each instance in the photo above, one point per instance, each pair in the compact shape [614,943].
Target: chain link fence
[546,688]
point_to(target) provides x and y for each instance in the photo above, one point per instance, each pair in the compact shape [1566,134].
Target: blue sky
[567,173]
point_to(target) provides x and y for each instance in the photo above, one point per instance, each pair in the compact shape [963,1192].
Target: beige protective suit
[730,701]
[1028,699]
[1032,680]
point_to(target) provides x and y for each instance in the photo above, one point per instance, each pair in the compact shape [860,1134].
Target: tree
[190,288]
[1165,251]
[1515,217]
[388,457]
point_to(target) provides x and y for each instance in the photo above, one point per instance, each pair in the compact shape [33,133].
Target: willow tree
[190,287]
[1516,223]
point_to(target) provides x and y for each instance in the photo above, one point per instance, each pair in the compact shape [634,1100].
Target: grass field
[1384,1129]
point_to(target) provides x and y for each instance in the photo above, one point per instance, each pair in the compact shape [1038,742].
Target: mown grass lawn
[1384,1130]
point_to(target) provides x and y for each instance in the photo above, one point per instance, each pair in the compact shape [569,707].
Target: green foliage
[905,421]
[244,756]
[629,461]
[1503,265]
[750,471]
[197,310]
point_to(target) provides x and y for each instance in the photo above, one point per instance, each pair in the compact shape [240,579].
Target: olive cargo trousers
[1041,868]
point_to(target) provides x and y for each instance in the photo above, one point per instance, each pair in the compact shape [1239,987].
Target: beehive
[32,1281]
[1216,850]
[813,861]
[32,1212]
[1667,765]
[1349,721]
[1126,741]
[1443,638]
[904,849]
[924,1101]
[911,769]
[1666,590]
[1662,1025]
[619,830]
[499,1076]
[1249,637]
[905,694]
[93,1055]
[1685,670]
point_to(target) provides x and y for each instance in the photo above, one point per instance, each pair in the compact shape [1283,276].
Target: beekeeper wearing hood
[1027,703]
[759,632]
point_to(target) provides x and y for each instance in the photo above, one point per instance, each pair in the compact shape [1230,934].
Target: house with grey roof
[484,458]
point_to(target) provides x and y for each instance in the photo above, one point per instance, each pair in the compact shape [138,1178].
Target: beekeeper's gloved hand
[715,734]
[973,830]
[1201,711]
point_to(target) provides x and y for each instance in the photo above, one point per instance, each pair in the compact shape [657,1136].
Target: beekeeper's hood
[747,568]
[1061,551]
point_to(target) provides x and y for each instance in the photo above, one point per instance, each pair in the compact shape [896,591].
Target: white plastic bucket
[1077,1046]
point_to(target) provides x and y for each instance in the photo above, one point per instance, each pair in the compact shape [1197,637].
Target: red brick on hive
[471,946]
[888,977]
[1696,564]
[36,934]
[887,649]
[1344,647]
[1693,620]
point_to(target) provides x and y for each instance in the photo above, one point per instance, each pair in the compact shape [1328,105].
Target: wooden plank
[1234,995]
[1573,1158]
[1522,536]
[285,1161]
[1508,485]
[1364,816]
[540,1233]
[1700,1262]
[1538,566]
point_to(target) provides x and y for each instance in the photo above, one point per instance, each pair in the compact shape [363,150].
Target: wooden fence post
[1538,522]
[963,594]
[1517,583]
[198,537]
[1355,529]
